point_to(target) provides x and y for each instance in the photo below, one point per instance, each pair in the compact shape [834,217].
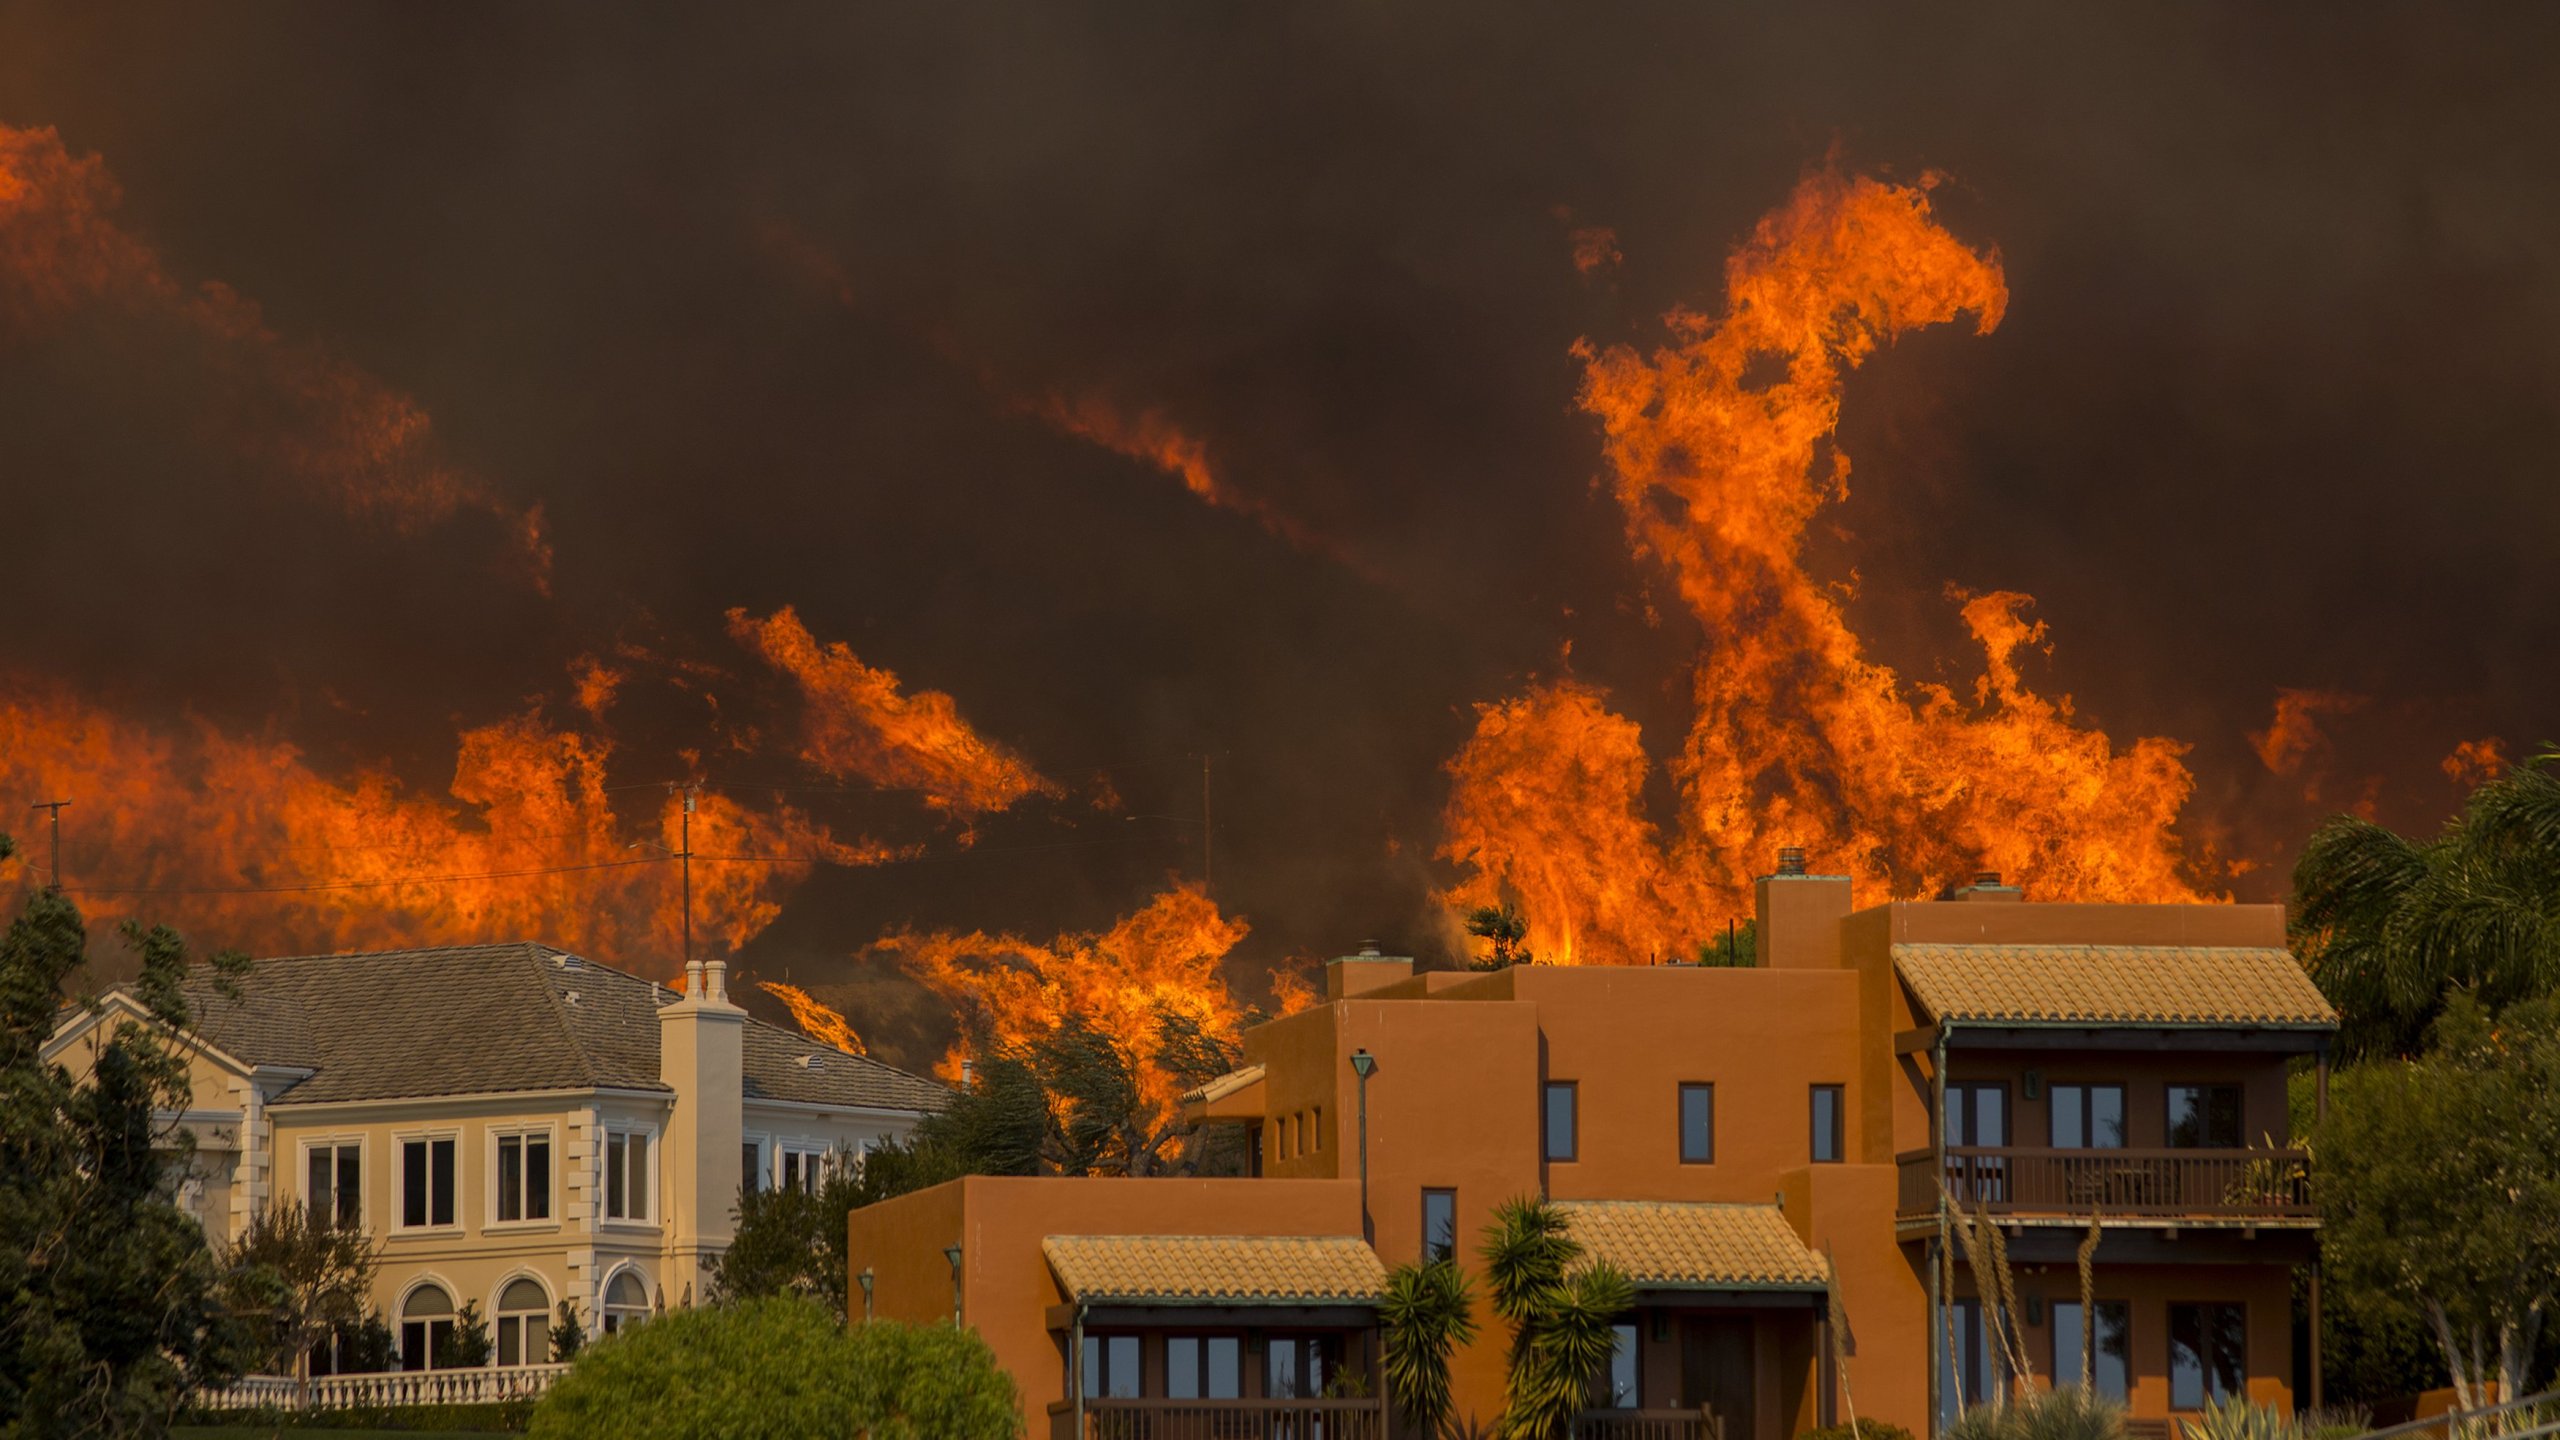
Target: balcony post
[1941,1304]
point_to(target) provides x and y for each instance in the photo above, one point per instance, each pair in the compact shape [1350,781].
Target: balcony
[1647,1425]
[1127,1419]
[389,1389]
[2160,1185]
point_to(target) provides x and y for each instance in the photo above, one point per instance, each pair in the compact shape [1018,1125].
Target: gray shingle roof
[473,1019]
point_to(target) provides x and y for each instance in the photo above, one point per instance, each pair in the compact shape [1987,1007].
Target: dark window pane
[639,1191]
[537,1177]
[2114,1366]
[510,1177]
[1226,1367]
[1120,1366]
[1439,1224]
[1828,1123]
[322,1195]
[1092,1366]
[614,1150]
[750,1168]
[1280,1378]
[413,1182]
[2208,1354]
[442,1153]
[2070,1117]
[1622,1367]
[1560,1120]
[1182,1367]
[1697,1124]
[2106,1116]
[413,1345]
[350,1196]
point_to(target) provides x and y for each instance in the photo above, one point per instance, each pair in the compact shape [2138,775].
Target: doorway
[1716,1353]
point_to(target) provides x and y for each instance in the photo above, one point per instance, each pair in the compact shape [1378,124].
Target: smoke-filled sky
[879,312]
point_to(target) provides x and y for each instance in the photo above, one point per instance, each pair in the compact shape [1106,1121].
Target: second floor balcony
[2259,1185]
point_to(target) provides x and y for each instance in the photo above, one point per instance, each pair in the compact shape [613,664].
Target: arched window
[426,1322]
[626,1302]
[524,1323]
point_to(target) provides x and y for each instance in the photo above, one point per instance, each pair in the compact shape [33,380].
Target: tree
[1506,930]
[466,1346]
[1736,949]
[1560,1311]
[1428,1312]
[2391,927]
[782,1368]
[2439,1187]
[295,1281]
[109,1303]
[568,1334]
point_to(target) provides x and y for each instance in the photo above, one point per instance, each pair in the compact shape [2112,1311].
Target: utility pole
[54,806]
[1208,872]
[684,864]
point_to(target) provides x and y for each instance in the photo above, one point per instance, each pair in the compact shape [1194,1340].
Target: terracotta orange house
[1761,1150]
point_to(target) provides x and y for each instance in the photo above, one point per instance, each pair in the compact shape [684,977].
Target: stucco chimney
[1349,975]
[1800,915]
[1986,886]
[701,1039]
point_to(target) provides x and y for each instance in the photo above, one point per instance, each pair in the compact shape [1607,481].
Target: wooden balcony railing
[2155,1184]
[1125,1419]
[1647,1425]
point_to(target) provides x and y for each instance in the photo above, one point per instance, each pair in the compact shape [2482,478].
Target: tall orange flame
[859,724]
[1718,446]
[817,1019]
[318,420]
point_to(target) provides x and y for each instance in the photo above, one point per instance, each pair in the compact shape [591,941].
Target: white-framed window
[628,1153]
[426,1326]
[427,1181]
[520,1175]
[524,1323]
[751,1172]
[333,1181]
[626,1301]
[802,1165]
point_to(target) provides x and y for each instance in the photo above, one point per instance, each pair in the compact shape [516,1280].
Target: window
[1621,1375]
[1697,1124]
[336,1193]
[2088,1117]
[1972,1368]
[626,1175]
[1978,1118]
[426,1182]
[524,1323]
[626,1302]
[2111,1347]
[1295,1367]
[2204,1117]
[1315,1129]
[1111,1367]
[1439,1224]
[1559,1120]
[751,1167]
[524,1177]
[800,1168]
[426,1326]
[1829,1143]
[1203,1367]
[2208,1354]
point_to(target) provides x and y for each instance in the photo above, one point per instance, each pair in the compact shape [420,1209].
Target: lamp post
[951,1253]
[1364,1064]
[867,1280]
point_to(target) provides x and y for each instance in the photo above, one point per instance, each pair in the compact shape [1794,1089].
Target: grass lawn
[270,1432]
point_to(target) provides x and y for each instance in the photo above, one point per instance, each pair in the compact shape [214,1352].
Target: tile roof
[1216,1269]
[2147,985]
[470,1019]
[1663,1245]
[1224,1086]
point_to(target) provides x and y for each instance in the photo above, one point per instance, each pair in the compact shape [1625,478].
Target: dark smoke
[750,303]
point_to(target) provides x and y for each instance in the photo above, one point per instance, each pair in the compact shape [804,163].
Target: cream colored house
[516,1125]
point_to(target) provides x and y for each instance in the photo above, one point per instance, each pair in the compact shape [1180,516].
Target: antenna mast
[54,806]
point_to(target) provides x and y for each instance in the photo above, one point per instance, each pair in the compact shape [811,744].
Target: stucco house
[517,1126]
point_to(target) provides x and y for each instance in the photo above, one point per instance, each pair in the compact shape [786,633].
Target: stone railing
[390,1390]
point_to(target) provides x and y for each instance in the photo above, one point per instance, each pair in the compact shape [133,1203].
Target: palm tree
[2389,926]
[1429,1311]
[1560,1311]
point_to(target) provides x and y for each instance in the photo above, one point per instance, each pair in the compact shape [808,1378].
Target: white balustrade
[391,1389]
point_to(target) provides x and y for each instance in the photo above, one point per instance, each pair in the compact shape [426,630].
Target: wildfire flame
[322,422]
[1009,992]
[1151,437]
[858,724]
[237,839]
[817,1020]
[1718,447]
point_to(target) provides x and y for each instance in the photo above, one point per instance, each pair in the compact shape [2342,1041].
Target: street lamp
[867,1279]
[1364,1064]
[951,1253]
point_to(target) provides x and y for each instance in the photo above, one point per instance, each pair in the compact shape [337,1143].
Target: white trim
[764,1160]
[305,1144]
[399,1317]
[855,1112]
[549,1133]
[654,1219]
[550,1298]
[473,1099]
[604,1288]
[95,1011]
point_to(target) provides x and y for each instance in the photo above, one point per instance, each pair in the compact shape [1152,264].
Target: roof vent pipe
[1791,860]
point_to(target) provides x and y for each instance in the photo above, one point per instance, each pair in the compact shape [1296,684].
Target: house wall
[999,1222]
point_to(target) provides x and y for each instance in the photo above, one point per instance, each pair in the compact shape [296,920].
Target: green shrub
[1866,1430]
[781,1369]
[2072,1412]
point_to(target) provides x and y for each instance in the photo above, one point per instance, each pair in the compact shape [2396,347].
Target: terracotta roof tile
[2112,985]
[1216,1269]
[1662,1245]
